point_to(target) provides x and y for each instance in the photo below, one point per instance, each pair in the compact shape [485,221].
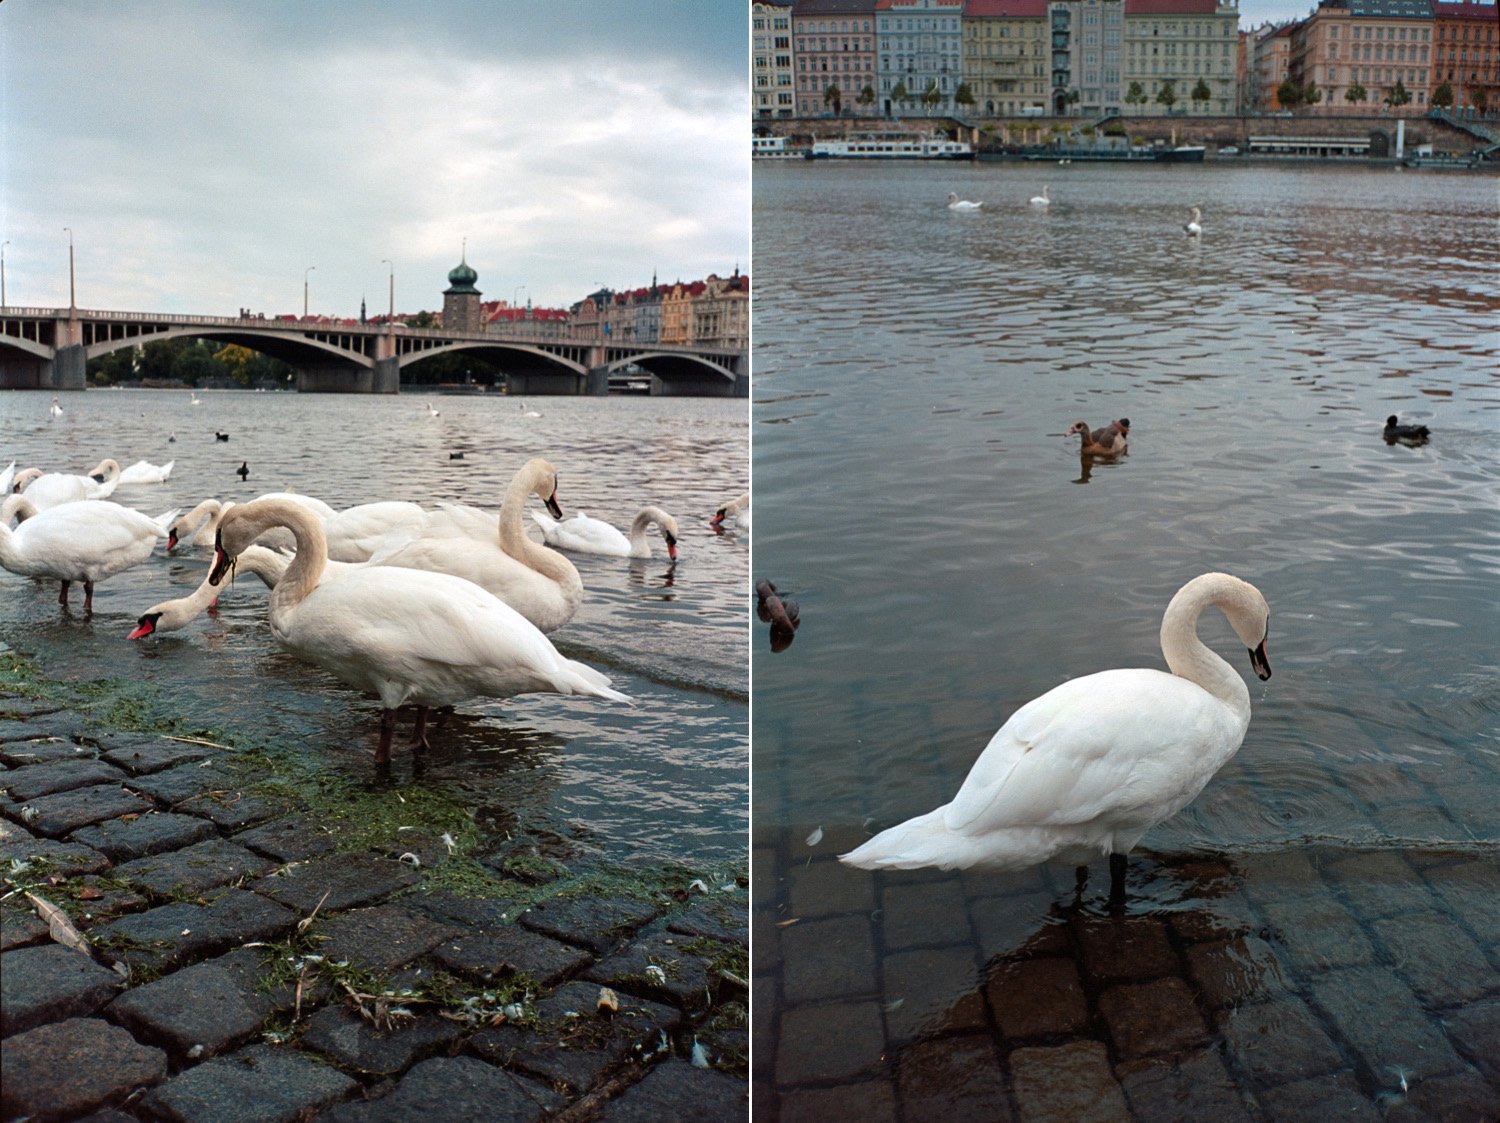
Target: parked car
[1231,150]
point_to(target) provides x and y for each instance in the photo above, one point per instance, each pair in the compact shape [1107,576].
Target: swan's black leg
[387,729]
[88,597]
[62,596]
[1116,882]
[1080,881]
[419,734]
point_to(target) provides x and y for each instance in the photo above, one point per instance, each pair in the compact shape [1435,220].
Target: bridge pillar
[598,382]
[699,387]
[386,377]
[69,369]
[339,378]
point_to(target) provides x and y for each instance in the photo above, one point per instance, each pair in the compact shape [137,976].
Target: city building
[1464,36]
[833,49]
[1270,66]
[1180,56]
[721,312]
[1086,37]
[1363,56]
[919,63]
[771,59]
[1005,56]
[461,298]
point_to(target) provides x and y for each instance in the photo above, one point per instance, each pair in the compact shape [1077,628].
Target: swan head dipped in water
[1093,764]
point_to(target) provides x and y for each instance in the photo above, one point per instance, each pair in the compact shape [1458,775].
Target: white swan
[1093,764]
[198,526]
[353,534]
[279,537]
[541,584]
[194,399]
[1192,227]
[957,204]
[54,409]
[584,535]
[86,541]
[407,636]
[1042,200]
[735,511]
[526,412]
[7,478]
[431,412]
[52,489]
[144,472]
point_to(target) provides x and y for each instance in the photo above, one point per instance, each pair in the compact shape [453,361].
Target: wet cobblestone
[235,1010]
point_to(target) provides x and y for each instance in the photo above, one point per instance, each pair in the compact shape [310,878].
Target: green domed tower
[461,298]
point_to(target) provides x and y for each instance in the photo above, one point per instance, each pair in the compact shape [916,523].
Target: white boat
[773,148]
[892,146]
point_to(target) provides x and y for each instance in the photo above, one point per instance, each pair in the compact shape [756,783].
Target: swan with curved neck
[1090,766]
[173,615]
[52,489]
[87,540]
[1193,227]
[1044,199]
[407,636]
[541,584]
[584,535]
[734,511]
[198,526]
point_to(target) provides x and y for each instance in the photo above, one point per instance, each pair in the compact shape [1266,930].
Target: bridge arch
[496,351]
[667,365]
[288,347]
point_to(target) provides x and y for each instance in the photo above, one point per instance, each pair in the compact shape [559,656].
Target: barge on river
[891,146]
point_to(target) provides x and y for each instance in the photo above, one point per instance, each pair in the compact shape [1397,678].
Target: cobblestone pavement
[1301,984]
[249,965]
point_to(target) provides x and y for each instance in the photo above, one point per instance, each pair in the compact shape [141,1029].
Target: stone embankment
[257,948]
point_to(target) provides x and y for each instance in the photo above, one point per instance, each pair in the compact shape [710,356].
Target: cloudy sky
[205,153]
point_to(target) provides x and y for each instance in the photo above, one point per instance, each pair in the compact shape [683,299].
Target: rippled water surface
[666,779]
[954,557]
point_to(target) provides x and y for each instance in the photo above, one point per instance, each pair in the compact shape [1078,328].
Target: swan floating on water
[87,540]
[52,489]
[584,535]
[541,584]
[144,472]
[1192,227]
[957,204]
[54,409]
[1042,200]
[1093,764]
[735,512]
[526,412]
[1108,441]
[406,636]
[194,399]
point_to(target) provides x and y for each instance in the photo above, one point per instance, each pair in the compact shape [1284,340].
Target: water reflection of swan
[409,637]
[584,535]
[1093,764]
[957,204]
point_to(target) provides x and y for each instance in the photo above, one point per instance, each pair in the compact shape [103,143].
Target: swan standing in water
[584,535]
[541,584]
[87,541]
[1192,227]
[406,636]
[736,512]
[957,204]
[1042,200]
[1108,441]
[1093,764]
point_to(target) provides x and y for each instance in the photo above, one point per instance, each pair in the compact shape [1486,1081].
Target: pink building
[833,47]
[1362,54]
[1465,34]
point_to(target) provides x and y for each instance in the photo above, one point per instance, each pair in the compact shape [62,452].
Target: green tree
[1288,94]
[422,319]
[1355,93]
[1481,99]
[1201,93]
[834,97]
[1135,95]
[1166,96]
[1397,95]
[899,94]
[963,95]
[236,362]
[113,367]
[157,358]
[1310,94]
[1442,97]
[866,97]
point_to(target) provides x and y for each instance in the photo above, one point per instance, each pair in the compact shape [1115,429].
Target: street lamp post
[305,273]
[72,289]
[390,323]
[2,273]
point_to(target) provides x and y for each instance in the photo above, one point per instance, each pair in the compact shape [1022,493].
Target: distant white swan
[584,535]
[144,472]
[1192,227]
[431,412]
[54,409]
[735,512]
[957,204]
[406,636]
[526,412]
[1093,764]
[87,541]
[195,400]
[1042,200]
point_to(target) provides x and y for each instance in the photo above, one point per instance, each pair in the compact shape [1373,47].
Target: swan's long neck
[513,539]
[1188,656]
[302,575]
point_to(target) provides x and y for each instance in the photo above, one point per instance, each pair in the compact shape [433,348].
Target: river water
[1319,931]
[666,779]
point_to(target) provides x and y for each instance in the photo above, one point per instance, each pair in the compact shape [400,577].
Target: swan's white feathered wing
[583,534]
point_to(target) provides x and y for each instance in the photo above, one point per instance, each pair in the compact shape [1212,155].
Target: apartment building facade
[1005,56]
[1363,55]
[771,74]
[833,49]
[1176,49]
[919,56]
[1466,54]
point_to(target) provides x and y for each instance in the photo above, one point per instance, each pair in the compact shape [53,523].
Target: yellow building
[1005,56]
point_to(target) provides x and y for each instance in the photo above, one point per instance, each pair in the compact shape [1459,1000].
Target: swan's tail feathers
[547,523]
[166,470]
[166,519]
[580,678]
[927,841]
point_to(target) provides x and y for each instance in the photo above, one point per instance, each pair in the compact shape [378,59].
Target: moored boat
[891,146]
[1182,154]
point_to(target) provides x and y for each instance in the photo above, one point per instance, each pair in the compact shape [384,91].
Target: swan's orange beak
[671,545]
[145,625]
[172,539]
[718,517]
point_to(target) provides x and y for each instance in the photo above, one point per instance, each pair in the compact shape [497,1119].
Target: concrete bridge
[49,349]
